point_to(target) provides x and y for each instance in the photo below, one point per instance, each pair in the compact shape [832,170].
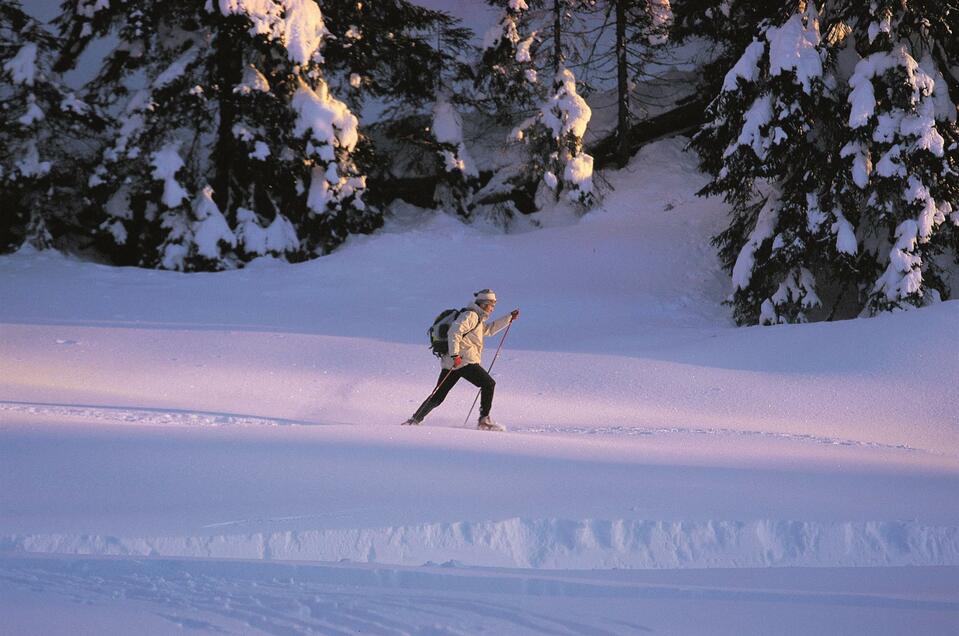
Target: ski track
[281,598]
[297,600]
[179,417]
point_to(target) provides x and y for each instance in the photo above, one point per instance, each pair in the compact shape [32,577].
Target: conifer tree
[507,76]
[404,57]
[234,148]
[529,43]
[42,127]
[555,138]
[840,183]
[458,172]
[762,145]
[901,176]
[727,27]
[383,50]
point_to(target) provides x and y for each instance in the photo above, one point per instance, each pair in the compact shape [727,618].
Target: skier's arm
[461,326]
[497,325]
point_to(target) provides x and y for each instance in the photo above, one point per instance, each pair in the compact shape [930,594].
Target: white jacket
[466,335]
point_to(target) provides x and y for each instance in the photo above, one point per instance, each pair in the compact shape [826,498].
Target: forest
[214,133]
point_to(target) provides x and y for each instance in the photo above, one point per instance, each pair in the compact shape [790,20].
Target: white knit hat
[484,296]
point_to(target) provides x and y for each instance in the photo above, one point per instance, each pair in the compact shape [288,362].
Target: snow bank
[551,544]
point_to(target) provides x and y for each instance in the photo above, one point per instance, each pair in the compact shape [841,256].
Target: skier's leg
[478,377]
[444,383]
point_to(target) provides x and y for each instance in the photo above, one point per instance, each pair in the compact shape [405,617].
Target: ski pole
[496,355]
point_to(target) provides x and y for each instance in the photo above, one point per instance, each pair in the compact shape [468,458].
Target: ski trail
[351,598]
[626,431]
[146,416]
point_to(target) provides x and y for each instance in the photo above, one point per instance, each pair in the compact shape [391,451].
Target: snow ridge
[552,544]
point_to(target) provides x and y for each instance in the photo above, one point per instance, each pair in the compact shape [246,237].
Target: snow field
[167,441]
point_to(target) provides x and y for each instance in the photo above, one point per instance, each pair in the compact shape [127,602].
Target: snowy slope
[164,436]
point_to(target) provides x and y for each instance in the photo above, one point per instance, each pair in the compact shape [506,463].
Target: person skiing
[463,360]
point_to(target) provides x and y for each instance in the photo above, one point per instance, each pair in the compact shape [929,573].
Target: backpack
[439,331]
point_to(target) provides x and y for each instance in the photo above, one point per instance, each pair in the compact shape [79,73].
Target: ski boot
[412,422]
[486,424]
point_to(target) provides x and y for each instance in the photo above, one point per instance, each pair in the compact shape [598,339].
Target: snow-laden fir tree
[507,76]
[458,174]
[228,143]
[724,28]
[901,161]
[836,150]
[530,44]
[43,127]
[392,51]
[509,87]
[762,143]
[407,59]
[554,136]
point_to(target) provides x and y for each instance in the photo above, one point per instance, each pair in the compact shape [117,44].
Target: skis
[496,428]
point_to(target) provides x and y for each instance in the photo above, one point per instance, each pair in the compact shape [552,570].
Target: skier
[463,361]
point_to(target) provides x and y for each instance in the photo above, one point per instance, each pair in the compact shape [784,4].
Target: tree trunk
[622,86]
[557,36]
[686,117]
[229,72]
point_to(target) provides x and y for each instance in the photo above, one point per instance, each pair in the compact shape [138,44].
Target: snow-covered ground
[221,452]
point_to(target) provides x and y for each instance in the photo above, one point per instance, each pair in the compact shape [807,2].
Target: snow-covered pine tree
[401,56]
[231,146]
[382,51]
[762,144]
[509,88]
[554,136]
[458,175]
[852,182]
[553,133]
[42,125]
[725,28]
[507,76]
[901,159]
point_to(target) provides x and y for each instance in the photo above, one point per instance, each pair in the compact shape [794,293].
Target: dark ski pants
[472,373]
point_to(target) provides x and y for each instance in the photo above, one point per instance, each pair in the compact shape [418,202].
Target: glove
[457,361]
[514,314]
